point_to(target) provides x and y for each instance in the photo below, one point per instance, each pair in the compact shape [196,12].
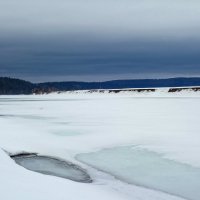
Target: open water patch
[52,166]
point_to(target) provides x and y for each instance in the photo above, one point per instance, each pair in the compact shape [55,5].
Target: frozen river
[140,147]
[147,169]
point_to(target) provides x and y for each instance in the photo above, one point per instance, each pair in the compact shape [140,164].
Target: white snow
[67,124]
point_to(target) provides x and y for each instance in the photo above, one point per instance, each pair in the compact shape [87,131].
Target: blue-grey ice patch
[54,167]
[148,169]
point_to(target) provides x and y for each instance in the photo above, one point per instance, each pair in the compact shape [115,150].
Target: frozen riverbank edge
[128,90]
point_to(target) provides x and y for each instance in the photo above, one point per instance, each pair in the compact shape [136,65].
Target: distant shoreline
[12,86]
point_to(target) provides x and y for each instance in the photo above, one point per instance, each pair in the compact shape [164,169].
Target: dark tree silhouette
[17,86]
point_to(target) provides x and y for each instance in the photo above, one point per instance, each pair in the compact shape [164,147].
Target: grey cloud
[92,38]
[103,58]
[106,17]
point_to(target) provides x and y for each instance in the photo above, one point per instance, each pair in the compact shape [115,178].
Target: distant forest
[12,86]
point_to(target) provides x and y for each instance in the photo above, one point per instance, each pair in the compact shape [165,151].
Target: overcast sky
[54,40]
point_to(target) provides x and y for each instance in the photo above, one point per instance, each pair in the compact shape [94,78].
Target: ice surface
[64,125]
[148,169]
[54,167]
[18,183]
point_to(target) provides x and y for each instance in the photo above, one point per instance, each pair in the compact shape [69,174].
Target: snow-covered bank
[138,92]
[64,125]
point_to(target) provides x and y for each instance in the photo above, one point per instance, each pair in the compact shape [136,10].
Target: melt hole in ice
[52,166]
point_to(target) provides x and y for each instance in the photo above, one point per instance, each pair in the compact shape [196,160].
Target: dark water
[54,167]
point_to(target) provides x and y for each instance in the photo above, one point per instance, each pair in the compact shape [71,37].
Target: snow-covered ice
[68,125]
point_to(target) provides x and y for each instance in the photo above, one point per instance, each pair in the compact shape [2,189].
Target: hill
[119,84]
[17,86]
